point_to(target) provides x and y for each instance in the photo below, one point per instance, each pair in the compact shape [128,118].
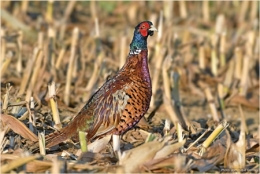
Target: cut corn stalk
[49,14]
[54,106]
[205,10]
[202,135]
[41,138]
[180,135]
[254,10]
[244,77]
[243,120]
[221,95]
[166,126]
[202,57]
[6,97]
[38,64]
[83,141]
[60,57]
[3,45]
[182,119]
[122,51]
[214,59]
[28,71]
[116,145]
[222,49]
[212,105]
[68,11]
[51,57]
[219,129]
[32,118]
[97,66]
[40,40]
[159,53]
[167,92]
[5,64]
[238,63]
[74,44]
[167,10]
[220,25]
[243,10]
[229,76]
[19,43]
[183,9]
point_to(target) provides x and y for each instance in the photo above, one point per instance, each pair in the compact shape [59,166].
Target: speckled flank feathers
[121,102]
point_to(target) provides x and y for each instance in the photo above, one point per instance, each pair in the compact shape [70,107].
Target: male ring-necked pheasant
[121,102]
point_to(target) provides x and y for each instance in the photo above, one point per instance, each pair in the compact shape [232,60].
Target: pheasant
[121,101]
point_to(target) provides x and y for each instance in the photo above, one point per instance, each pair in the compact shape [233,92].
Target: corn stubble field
[204,65]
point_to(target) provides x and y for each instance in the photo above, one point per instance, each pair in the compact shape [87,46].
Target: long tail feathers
[60,136]
[57,137]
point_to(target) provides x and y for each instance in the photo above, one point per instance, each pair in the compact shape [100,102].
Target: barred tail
[60,136]
[69,131]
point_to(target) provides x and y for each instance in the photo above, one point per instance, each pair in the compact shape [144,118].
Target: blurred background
[212,46]
[204,65]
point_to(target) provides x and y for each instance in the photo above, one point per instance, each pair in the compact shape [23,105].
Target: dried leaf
[143,123]
[18,162]
[90,157]
[99,144]
[176,161]
[252,102]
[213,156]
[253,145]
[143,153]
[167,150]
[18,127]
[204,165]
[157,163]
[38,166]
[216,150]
[235,154]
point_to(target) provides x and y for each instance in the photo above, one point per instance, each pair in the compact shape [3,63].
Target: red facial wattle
[144,27]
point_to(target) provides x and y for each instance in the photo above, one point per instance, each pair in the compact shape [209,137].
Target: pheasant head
[141,33]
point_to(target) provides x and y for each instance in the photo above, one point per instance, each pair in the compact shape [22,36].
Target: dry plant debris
[204,65]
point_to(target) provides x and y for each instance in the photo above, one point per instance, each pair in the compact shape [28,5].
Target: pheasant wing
[109,103]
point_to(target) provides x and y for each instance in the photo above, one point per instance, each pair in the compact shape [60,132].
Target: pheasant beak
[152,28]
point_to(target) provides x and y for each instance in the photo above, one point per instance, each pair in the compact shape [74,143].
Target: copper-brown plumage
[121,102]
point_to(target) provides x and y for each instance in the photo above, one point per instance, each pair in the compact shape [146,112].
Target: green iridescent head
[142,31]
